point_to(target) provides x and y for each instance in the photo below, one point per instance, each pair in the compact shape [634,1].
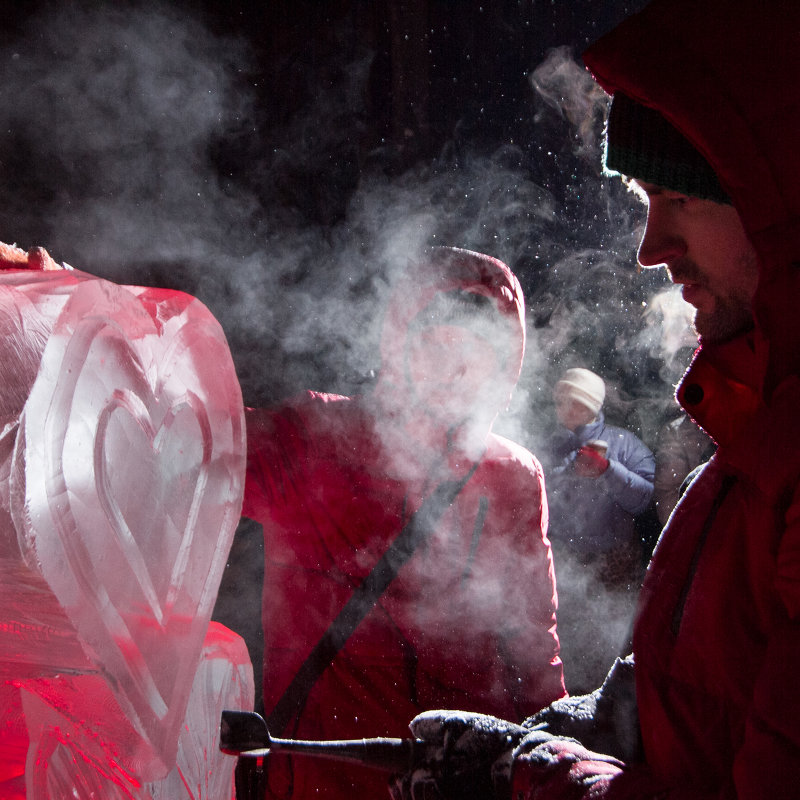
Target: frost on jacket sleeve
[630,474]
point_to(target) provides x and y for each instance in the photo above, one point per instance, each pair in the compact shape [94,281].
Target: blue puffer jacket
[595,515]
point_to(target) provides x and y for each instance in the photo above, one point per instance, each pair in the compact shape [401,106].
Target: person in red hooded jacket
[704,122]
[469,618]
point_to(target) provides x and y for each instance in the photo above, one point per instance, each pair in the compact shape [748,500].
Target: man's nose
[660,244]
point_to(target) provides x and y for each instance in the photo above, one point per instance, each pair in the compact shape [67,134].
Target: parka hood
[443,270]
[724,73]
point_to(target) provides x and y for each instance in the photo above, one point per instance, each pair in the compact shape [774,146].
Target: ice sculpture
[65,760]
[121,478]
[223,680]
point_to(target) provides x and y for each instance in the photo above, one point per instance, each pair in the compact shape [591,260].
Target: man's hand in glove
[468,757]
[477,757]
[589,463]
[559,768]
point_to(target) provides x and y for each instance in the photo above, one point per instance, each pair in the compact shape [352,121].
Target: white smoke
[116,113]
[121,102]
[565,86]
[119,109]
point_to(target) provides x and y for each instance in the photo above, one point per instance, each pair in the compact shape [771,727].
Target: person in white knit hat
[579,396]
[600,479]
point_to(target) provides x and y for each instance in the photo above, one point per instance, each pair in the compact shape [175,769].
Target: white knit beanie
[583,386]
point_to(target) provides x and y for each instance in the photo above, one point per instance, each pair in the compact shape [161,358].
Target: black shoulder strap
[416,530]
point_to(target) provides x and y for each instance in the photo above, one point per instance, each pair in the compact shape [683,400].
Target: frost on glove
[587,747]
[559,768]
[468,757]
[606,720]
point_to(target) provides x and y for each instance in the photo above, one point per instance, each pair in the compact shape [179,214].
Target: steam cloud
[116,116]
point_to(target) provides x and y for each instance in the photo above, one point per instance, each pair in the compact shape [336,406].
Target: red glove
[589,463]
[562,769]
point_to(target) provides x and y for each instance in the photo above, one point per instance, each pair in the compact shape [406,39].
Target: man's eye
[679,199]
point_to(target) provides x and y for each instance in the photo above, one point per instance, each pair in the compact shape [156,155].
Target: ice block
[121,479]
[223,680]
[69,759]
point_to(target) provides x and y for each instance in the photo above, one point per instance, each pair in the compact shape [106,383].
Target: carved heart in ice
[133,464]
[172,474]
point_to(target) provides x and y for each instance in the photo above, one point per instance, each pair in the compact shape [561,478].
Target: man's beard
[725,322]
[732,314]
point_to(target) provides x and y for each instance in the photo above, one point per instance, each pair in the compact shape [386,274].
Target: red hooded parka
[717,638]
[469,621]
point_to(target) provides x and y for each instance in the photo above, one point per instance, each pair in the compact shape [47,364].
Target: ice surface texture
[66,760]
[121,479]
[223,680]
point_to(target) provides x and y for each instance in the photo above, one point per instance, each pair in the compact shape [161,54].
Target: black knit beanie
[641,144]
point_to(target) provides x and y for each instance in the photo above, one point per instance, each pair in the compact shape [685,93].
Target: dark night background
[280,159]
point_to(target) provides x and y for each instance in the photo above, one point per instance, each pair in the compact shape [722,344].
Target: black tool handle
[245,734]
[391,755]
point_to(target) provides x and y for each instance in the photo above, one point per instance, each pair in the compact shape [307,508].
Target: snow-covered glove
[574,717]
[468,757]
[560,768]
[606,720]
[589,463]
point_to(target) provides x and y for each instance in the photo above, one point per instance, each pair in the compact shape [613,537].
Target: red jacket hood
[445,269]
[723,72]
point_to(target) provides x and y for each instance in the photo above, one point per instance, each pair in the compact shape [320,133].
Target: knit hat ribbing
[641,144]
[583,386]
